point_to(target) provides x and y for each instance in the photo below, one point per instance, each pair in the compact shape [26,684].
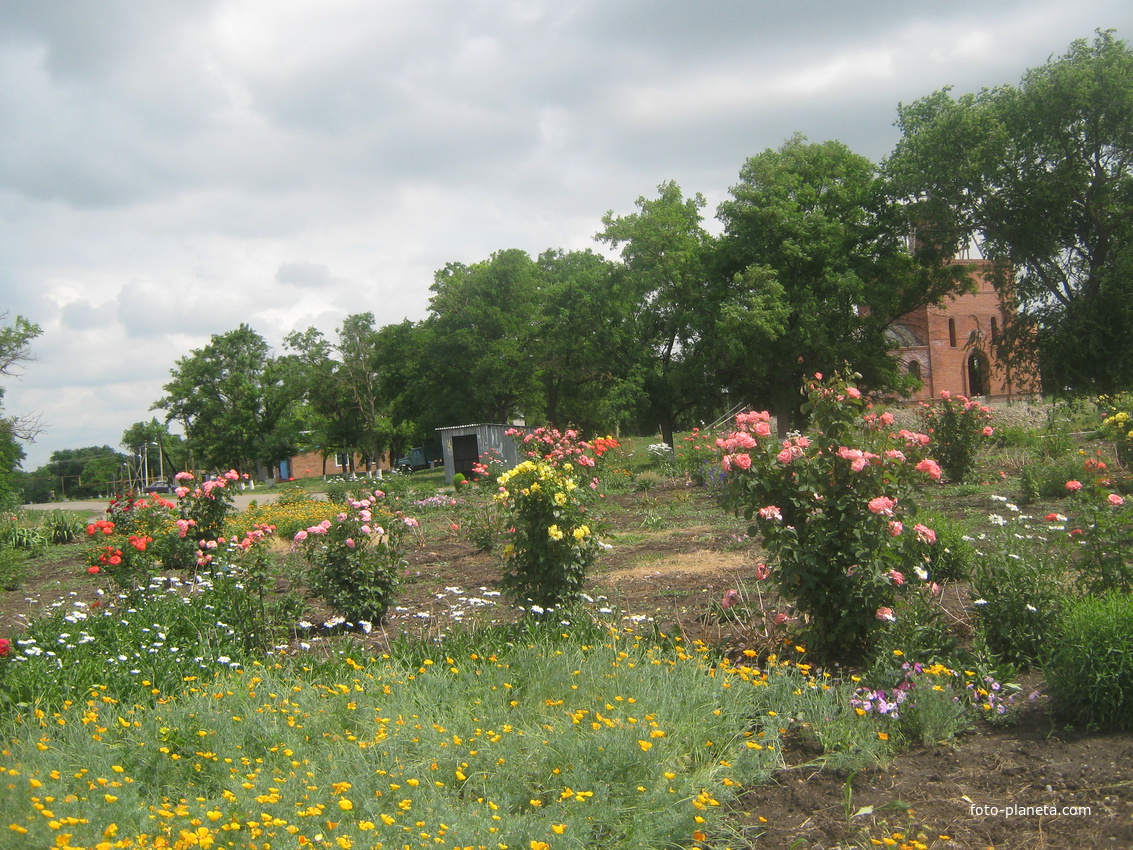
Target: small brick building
[950,347]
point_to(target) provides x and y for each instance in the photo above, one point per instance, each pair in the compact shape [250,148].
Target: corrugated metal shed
[463,445]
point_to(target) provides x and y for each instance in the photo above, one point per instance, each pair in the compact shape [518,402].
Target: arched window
[952,333]
[979,374]
[994,329]
[914,369]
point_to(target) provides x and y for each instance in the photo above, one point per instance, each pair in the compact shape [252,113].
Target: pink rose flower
[762,572]
[885,614]
[925,534]
[988,431]
[784,456]
[731,597]
[895,528]
[896,577]
[770,512]
[930,467]
[1073,486]
[743,461]
[1116,500]
[882,505]
[350,543]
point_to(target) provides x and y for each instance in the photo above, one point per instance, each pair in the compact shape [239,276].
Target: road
[98,506]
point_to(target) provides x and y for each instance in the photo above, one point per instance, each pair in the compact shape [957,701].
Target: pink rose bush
[958,428]
[834,508]
[356,558]
[1106,517]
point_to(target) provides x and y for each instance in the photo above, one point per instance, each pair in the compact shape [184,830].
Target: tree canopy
[15,349]
[814,268]
[1042,175]
[236,402]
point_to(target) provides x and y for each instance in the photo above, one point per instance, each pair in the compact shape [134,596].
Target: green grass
[572,736]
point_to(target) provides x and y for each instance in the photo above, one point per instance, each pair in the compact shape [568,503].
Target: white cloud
[169,170]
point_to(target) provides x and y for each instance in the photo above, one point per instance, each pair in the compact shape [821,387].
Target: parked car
[159,485]
[415,461]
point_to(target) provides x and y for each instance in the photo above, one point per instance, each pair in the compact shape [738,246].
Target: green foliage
[552,546]
[236,401]
[1018,588]
[958,428]
[1088,662]
[832,509]
[62,527]
[810,238]
[355,559]
[696,457]
[1105,542]
[952,556]
[1043,171]
[1046,479]
[13,567]
[337,490]
[16,532]
[166,632]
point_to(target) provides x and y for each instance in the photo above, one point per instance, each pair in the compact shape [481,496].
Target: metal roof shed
[464,445]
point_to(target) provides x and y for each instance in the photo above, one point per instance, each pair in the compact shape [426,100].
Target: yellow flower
[558,828]
[645,745]
[555,533]
[560,499]
[581,533]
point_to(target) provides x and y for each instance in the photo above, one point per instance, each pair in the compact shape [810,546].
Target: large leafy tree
[15,349]
[480,364]
[348,408]
[814,266]
[1042,174]
[665,254]
[153,450]
[585,342]
[236,402]
[81,473]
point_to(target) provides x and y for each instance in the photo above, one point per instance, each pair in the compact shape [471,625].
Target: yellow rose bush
[550,545]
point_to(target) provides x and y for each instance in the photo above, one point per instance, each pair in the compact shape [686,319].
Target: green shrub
[1046,479]
[959,428]
[1088,662]
[552,545]
[15,534]
[1017,596]
[951,557]
[62,527]
[337,490]
[355,560]
[837,509]
[13,567]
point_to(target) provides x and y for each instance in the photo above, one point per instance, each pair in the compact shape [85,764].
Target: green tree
[236,402]
[1042,174]
[584,345]
[154,451]
[814,266]
[479,338]
[15,349]
[348,408]
[665,255]
[90,472]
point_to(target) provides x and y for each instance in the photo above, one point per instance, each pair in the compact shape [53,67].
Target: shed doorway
[465,452]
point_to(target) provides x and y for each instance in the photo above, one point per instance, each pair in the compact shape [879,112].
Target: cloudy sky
[169,170]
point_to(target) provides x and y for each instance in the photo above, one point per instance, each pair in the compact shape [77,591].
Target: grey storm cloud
[169,170]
